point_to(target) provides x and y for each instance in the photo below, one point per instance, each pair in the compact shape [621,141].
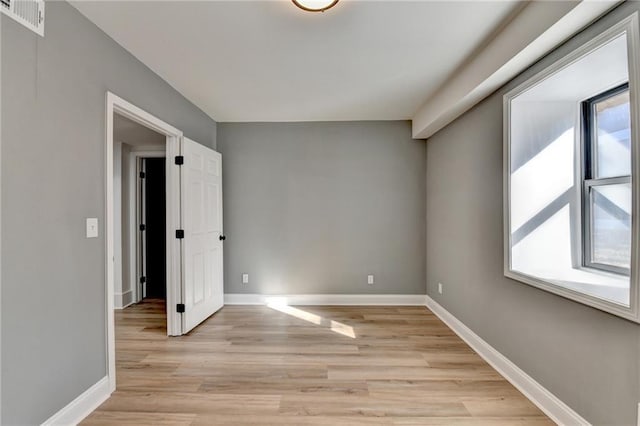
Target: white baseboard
[551,405]
[328,299]
[122,300]
[82,406]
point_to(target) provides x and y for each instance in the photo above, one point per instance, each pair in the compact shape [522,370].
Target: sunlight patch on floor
[280,304]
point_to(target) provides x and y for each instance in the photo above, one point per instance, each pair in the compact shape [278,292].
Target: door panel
[201,187]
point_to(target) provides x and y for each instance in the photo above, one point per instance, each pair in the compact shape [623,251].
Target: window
[571,157]
[607,181]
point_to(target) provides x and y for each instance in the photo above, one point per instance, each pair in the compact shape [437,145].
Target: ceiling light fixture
[315,5]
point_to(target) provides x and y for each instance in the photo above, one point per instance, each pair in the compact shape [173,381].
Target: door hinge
[143,280]
[143,227]
[179,233]
[142,175]
[179,160]
[180,308]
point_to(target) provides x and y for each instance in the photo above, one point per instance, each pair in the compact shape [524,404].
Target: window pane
[614,136]
[611,221]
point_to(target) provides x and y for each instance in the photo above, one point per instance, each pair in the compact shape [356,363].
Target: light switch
[92,227]
[370,279]
[245,278]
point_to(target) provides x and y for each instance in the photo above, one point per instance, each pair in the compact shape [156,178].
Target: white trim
[174,325]
[148,150]
[111,347]
[0,230]
[174,245]
[633,47]
[638,415]
[628,26]
[551,405]
[74,412]
[328,299]
[124,299]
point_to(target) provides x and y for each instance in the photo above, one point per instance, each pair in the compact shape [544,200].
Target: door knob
[222,237]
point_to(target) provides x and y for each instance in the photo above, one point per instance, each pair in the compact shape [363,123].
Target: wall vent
[29,13]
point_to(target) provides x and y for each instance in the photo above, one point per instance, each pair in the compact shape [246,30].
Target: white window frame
[589,176]
[629,26]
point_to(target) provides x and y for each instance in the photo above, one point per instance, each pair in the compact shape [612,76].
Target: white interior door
[201,189]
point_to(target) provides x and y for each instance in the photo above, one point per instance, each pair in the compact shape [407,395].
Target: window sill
[598,284]
[611,287]
[605,291]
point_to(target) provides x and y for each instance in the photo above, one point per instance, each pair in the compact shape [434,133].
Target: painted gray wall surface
[312,208]
[53,171]
[588,358]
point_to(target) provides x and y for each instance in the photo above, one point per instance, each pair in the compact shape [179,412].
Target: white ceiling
[268,61]
[134,134]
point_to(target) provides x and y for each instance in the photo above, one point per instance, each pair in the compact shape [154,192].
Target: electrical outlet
[370,279]
[245,278]
[440,288]
[92,227]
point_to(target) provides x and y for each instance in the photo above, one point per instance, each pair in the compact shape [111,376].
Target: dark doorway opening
[155,220]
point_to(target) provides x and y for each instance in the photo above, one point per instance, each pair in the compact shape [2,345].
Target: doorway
[193,236]
[139,213]
[122,164]
[153,256]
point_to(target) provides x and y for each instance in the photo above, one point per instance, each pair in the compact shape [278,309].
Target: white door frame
[115,104]
[133,164]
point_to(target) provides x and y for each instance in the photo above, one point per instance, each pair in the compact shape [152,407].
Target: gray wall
[53,171]
[312,208]
[588,358]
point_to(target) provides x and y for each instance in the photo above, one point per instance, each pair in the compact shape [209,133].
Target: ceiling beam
[538,28]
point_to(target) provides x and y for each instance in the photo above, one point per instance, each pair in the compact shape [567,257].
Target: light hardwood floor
[305,366]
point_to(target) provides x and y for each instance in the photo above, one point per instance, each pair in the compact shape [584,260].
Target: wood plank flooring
[259,365]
